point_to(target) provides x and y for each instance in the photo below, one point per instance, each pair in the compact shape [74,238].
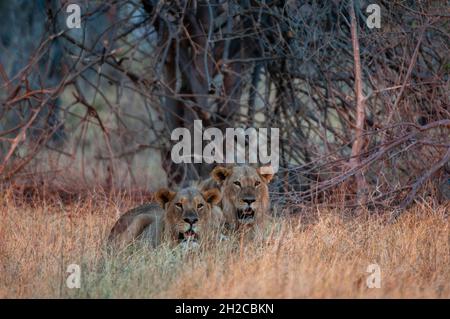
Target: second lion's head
[245,192]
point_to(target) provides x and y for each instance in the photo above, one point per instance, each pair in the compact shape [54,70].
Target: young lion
[180,217]
[245,194]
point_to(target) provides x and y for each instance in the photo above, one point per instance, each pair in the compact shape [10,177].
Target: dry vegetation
[325,258]
[364,120]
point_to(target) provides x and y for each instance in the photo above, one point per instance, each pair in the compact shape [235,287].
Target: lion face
[244,190]
[188,211]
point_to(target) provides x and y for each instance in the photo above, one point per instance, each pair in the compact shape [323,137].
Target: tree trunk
[358,143]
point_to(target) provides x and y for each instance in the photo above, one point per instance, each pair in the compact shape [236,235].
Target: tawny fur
[165,221]
[132,224]
[237,184]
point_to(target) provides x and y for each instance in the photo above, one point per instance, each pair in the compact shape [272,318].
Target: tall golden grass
[327,258]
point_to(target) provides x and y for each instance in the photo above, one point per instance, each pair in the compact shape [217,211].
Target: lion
[178,217]
[245,194]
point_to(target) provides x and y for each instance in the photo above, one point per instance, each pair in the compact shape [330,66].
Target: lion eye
[179,205]
[257,183]
[237,183]
[199,206]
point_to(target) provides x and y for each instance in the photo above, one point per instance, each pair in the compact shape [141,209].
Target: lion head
[245,193]
[188,212]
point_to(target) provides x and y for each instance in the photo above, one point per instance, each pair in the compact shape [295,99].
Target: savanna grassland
[324,258]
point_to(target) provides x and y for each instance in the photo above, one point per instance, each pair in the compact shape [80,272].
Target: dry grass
[322,260]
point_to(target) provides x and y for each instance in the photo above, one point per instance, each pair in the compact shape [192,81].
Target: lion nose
[249,201]
[191,220]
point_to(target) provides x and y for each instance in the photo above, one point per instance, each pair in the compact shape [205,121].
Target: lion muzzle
[246,215]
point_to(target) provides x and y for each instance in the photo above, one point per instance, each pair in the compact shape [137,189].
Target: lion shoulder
[132,223]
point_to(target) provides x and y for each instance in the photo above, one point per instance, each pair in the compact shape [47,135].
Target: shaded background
[94,107]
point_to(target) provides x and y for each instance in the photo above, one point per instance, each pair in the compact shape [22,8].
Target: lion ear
[220,173]
[164,195]
[266,173]
[212,196]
